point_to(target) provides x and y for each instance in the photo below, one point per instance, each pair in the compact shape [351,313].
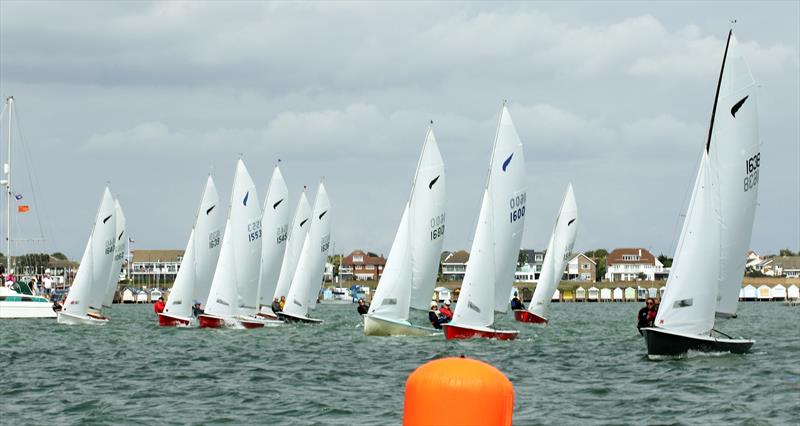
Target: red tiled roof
[369,259]
[461,256]
[645,257]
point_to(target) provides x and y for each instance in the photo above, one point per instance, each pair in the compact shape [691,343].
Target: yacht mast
[7,170]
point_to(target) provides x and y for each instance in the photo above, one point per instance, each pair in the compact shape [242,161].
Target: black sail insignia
[303,222]
[570,222]
[322,214]
[106,219]
[275,206]
[738,106]
[430,185]
[210,208]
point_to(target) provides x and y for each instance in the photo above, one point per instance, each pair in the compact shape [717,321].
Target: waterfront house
[128,296]
[629,264]
[581,268]
[630,294]
[361,265]
[793,292]
[749,293]
[454,265]
[786,266]
[580,294]
[529,265]
[593,294]
[153,267]
[778,292]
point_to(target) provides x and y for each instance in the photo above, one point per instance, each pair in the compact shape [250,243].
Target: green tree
[60,256]
[787,252]
[666,261]
[522,258]
[641,276]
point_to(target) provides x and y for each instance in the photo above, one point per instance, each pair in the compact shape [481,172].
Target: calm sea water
[588,367]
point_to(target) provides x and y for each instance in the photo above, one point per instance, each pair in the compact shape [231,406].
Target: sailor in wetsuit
[647,315]
[363,308]
[516,303]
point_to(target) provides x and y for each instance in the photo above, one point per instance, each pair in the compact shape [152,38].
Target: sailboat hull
[522,315]
[258,322]
[378,326]
[296,318]
[166,320]
[661,342]
[267,315]
[70,319]
[211,321]
[453,331]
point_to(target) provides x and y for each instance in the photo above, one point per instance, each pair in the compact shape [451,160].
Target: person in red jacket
[445,310]
[159,306]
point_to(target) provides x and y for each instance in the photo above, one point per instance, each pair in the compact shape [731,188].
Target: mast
[10,101]
[716,96]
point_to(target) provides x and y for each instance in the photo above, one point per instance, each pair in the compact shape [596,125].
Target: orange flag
[23,208]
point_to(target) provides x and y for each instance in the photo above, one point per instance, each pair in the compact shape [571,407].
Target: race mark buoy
[458,391]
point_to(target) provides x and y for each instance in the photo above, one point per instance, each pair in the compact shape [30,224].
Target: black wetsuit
[642,319]
[436,322]
[363,309]
[516,304]
[197,311]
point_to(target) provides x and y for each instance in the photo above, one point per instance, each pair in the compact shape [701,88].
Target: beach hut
[778,292]
[594,294]
[652,292]
[605,295]
[580,294]
[556,296]
[741,294]
[641,293]
[441,294]
[569,296]
[793,292]
[154,295]
[764,292]
[750,293]
[619,295]
[630,294]
[127,296]
[661,291]
[141,296]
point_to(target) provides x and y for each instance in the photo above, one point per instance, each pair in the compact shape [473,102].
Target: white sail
[688,302]
[507,188]
[275,224]
[735,159]
[120,244]
[207,236]
[426,222]
[245,225]
[557,255]
[297,235]
[91,281]
[180,301]
[393,295]
[222,298]
[305,284]
[475,307]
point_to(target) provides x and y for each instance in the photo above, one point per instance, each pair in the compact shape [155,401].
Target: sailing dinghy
[193,281]
[707,271]
[306,281]
[233,297]
[558,250]
[275,224]
[87,291]
[410,273]
[294,244]
[495,249]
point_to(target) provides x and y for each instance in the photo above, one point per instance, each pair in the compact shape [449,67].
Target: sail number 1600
[517,205]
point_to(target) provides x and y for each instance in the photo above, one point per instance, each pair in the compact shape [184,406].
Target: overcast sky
[613,97]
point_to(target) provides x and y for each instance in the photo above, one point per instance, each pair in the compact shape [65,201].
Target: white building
[629,264]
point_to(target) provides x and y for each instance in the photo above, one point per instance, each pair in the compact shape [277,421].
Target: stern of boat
[454,331]
[523,315]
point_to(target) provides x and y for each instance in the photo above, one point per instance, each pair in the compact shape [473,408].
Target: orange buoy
[458,391]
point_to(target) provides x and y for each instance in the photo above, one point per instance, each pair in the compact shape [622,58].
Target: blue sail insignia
[508,160]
